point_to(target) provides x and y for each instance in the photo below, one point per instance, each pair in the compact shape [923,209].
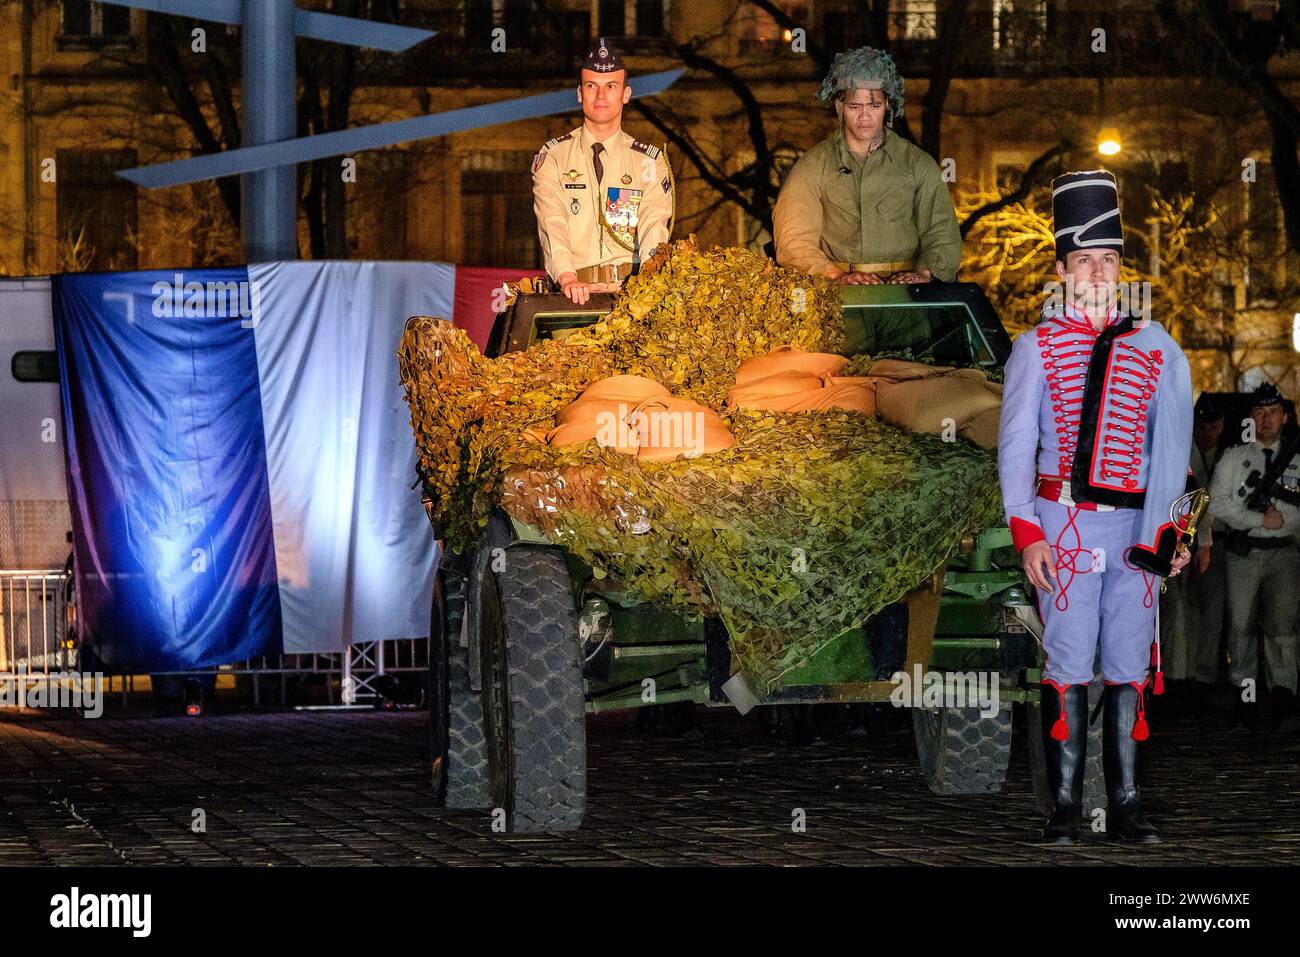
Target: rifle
[1265,490]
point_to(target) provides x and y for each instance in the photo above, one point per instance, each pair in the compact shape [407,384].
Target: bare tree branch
[1237,47]
[1046,161]
[718,182]
[165,66]
[815,49]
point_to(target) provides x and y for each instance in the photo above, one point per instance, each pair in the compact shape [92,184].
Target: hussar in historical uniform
[603,200]
[1093,449]
[864,205]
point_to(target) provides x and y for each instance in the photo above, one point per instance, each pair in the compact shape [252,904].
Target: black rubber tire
[1094,774]
[532,691]
[961,751]
[461,777]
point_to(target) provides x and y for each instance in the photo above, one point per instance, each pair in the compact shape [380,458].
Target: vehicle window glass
[558,327]
[944,334]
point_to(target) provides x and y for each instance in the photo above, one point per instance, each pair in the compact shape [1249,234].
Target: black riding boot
[1124,818]
[1067,714]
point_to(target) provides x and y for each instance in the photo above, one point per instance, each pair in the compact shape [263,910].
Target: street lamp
[1108,142]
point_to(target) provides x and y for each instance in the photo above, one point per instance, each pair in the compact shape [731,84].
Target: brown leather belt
[609,272]
[880,269]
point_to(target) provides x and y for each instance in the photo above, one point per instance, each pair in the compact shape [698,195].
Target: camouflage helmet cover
[864,69]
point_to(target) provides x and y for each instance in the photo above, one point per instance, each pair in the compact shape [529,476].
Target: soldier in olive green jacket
[864,205]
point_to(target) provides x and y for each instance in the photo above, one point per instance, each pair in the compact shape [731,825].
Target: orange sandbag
[805,392]
[608,431]
[612,396]
[624,388]
[788,359]
[852,393]
[672,428]
[602,413]
[591,410]
[655,427]
[772,393]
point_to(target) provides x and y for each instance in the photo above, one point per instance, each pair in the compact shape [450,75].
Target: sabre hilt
[1192,504]
[1185,515]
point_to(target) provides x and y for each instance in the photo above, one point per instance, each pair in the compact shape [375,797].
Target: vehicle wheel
[459,744]
[532,691]
[962,752]
[1094,775]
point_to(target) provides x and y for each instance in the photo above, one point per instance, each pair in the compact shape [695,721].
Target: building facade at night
[93,88]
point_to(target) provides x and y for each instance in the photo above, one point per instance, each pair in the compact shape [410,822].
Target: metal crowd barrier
[359,669]
[35,620]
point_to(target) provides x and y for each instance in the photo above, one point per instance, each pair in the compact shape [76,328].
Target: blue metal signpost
[269,194]
[268,198]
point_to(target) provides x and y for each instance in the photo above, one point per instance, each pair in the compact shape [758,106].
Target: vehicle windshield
[551,326]
[942,333]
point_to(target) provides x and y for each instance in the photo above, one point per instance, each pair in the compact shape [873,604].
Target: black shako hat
[1085,212]
[603,58]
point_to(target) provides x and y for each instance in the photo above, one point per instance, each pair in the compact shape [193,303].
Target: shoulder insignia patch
[538,160]
[646,148]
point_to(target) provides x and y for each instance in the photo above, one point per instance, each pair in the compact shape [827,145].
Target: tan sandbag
[899,370]
[932,403]
[667,429]
[983,428]
[788,359]
[659,428]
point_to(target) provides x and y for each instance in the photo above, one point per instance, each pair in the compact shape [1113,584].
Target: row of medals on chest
[573,174]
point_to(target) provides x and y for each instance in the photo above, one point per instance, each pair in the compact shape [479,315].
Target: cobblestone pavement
[350,788]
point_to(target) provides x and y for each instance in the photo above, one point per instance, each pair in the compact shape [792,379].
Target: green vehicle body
[653,656]
[523,648]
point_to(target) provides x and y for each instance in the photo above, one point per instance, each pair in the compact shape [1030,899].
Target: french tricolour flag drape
[240,457]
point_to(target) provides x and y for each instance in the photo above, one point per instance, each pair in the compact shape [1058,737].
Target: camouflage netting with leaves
[813,522]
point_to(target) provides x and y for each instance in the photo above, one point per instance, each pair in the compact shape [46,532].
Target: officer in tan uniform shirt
[603,200]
